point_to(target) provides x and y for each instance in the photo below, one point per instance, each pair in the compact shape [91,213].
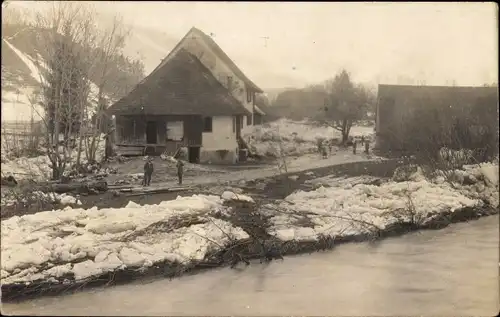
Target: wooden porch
[154,135]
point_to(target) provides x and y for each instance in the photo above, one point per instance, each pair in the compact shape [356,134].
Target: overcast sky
[294,44]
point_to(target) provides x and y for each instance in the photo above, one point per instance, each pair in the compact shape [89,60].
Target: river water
[453,271]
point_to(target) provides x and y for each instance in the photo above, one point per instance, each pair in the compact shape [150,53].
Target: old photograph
[163,158]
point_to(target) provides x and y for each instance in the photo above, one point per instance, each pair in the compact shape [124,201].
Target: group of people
[364,142]
[325,146]
[149,168]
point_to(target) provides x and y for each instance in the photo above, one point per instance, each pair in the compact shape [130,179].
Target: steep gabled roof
[182,86]
[220,53]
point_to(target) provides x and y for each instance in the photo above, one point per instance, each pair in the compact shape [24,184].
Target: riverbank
[98,247]
[454,271]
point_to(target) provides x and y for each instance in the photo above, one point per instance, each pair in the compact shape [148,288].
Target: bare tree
[66,33]
[345,104]
[75,55]
[281,153]
[110,42]
[12,15]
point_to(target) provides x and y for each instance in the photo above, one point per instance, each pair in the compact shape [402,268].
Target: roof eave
[259,111]
[255,87]
[208,39]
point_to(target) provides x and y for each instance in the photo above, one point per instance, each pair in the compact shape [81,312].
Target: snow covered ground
[86,243]
[294,164]
[8,198]
[351,207]
[78,244]
[342,181]
[297,137]
[38,168]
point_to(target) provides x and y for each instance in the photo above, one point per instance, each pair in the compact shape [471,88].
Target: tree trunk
[79,151]
[55,167]
[345,132]
[346,129]
[79,188]
[108,149]
[55,172]
[80,138]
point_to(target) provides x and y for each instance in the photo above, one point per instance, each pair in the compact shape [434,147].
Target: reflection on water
[453,271]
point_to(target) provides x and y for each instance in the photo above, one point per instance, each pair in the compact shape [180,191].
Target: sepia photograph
[209,158]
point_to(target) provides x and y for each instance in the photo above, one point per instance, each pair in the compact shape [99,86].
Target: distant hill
[21,75]
[301,103]
[272,93]
[298,104]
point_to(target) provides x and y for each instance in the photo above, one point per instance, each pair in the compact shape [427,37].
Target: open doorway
[194,154]
[151,132]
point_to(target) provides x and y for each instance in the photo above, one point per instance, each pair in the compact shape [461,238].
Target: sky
[292,44]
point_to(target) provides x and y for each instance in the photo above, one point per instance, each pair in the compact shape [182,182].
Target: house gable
[222,67]
[181,86]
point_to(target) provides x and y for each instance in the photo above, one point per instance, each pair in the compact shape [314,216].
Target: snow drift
[345,209]
[38,168]
[76,244]
[296,137]
[8,198]
[69,245]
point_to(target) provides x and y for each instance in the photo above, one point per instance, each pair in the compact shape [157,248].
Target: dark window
[234,124]
[249,95]
[249,120]
[230,83]
[207,124]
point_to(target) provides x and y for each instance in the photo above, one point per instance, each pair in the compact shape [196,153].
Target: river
[453,271]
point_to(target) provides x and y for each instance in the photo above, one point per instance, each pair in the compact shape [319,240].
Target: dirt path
[268,188]
[165,173]
[259,180]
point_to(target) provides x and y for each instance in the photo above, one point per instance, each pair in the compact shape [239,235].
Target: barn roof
[182,86]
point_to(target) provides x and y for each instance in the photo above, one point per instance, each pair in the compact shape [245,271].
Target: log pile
[91,187]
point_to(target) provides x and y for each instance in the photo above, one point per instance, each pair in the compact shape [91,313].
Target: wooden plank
[120,186]
[159,191]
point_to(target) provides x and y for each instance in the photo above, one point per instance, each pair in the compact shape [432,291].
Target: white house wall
[222,137]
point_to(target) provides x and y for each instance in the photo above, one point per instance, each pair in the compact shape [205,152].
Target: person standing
[180,170]
[324,149]
[367,147]
[148,171]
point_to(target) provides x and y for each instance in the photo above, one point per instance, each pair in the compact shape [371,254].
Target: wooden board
[146,191]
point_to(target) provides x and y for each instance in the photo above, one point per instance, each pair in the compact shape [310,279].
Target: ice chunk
[227,195]
[86,269]
[131,258]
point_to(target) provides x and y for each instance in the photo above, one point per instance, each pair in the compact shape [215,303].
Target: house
[196,98]
[224,69]
[407,114]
